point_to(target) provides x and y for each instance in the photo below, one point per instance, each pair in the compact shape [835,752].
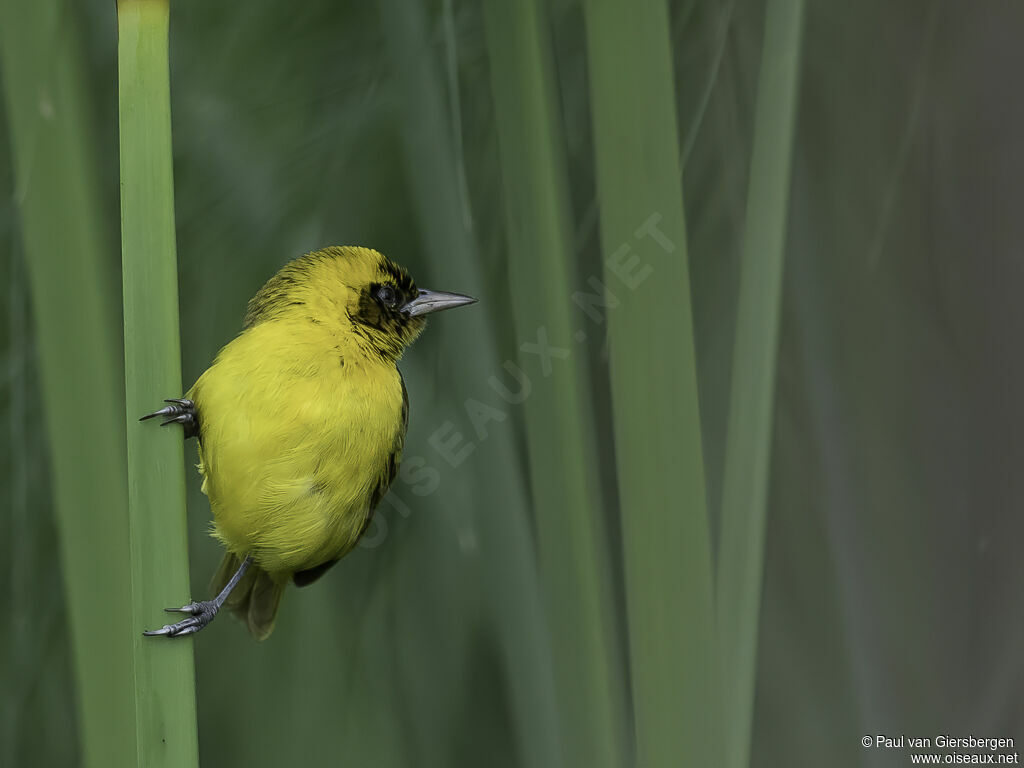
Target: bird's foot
[178,410]
[200,613]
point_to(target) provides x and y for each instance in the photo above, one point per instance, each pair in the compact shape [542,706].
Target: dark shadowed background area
[892,594]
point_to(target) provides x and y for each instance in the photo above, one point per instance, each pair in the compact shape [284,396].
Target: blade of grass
[654,383]
[562,454]
[751,403]
[165,713]
[68,252]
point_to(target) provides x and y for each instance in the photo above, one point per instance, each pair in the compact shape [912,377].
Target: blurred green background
[892,585]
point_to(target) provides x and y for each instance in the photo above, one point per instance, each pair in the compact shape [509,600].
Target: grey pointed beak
[435,301]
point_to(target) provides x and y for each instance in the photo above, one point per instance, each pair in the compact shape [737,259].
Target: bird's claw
[192,608]
[202,613]
[179,410]
[182,628]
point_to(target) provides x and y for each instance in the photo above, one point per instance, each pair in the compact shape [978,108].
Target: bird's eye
[388,296]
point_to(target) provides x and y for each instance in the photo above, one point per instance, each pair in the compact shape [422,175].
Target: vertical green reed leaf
[490,480]
[562,454]
[164,674]
[68,256]
[752,397]
[654,383]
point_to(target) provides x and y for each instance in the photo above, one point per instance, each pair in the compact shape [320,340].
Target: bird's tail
[255,599]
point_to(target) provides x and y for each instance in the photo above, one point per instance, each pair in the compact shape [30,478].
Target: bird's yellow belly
[290,478]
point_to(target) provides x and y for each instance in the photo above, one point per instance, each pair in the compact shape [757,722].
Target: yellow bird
[301,421]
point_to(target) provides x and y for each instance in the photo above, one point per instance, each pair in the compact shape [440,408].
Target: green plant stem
[164,672]
[69,252]
[656,415]
[752,395]
[562,453]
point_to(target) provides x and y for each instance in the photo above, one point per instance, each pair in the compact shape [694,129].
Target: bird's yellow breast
[297,432]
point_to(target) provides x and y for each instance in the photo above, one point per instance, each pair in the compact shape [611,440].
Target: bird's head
[355,290]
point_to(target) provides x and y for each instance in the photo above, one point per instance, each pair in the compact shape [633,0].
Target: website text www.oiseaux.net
[969,750]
